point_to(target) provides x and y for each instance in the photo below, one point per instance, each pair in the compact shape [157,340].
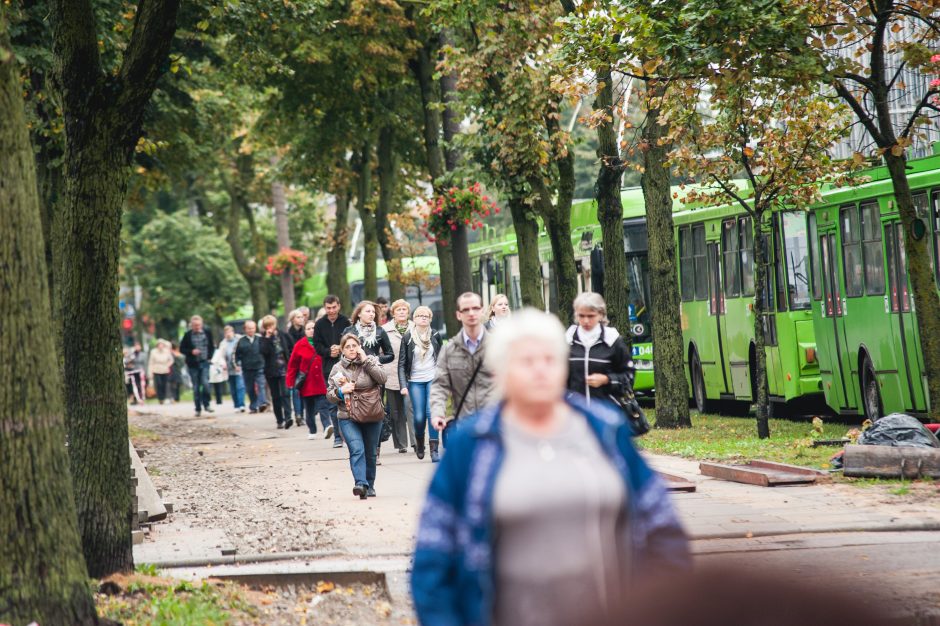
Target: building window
[730,260]
[851,250]
[871,249]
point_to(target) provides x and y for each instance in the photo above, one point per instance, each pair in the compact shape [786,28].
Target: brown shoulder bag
[365,405]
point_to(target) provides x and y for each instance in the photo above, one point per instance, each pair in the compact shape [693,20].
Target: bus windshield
[636,246]
[796,251]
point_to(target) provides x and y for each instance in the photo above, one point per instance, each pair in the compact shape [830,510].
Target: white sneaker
[312,436]
[329,432]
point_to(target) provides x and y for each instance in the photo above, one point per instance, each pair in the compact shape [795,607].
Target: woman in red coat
[305,362]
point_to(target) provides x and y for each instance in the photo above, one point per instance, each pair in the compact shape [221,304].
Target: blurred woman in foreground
[541,507]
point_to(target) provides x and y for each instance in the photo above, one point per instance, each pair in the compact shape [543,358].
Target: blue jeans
[298,402]
[236,387]
[256,397]
[337,433]
[314,405]
[363,442]
[200,377]
[420,394]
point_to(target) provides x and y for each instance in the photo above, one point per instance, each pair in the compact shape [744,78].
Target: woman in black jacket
[417,363]
[372,337]
[598,364]
[275,348]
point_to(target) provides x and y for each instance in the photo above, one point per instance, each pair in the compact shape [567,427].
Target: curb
[810,530]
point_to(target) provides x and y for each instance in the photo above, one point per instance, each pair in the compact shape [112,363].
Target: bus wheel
[698,385]
[871,394]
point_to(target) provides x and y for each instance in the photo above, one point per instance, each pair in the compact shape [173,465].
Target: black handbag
[636,418]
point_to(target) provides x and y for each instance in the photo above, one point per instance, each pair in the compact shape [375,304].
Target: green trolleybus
[494,263]
[869,349]
[716,278]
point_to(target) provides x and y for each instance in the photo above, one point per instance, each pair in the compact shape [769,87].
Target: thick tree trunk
[926,302]
[388,179]
[526,226]
[459,245]
[759,384]
[43,577]
[423,69]
[370,238]
[610,211]
[282,227]
[672,394]
[337,282]
[250,266]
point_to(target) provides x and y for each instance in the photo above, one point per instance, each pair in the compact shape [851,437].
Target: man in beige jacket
[461,373]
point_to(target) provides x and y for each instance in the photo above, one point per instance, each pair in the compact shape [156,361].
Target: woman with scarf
[357,372]
[417,362]
[396,328]
[372,337]
[305,378]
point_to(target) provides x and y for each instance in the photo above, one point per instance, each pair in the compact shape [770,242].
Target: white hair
[591,301]
[525,325]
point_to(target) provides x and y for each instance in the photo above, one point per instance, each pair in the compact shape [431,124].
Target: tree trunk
[388,179]
[42,574]
[923,289]
[759,383]
[610,210]
[337,282]
[672,393]
[103,113]
[527,243]
[282,227]
[459,245]
[251,267]
[370,239]
[423,69]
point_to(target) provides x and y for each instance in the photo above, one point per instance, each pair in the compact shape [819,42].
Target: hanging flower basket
[287,260]
[457,206]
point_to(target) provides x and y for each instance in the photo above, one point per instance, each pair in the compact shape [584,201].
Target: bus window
[851,251]
[638,272]
[871,249]
[796,250]
[779,262]
[698,262]
[686,268]
[936,235]
[747,256]
[814,258]
[902,270]
[730,260]
[897,268]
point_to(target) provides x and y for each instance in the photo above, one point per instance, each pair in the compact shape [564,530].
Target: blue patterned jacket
[452,578]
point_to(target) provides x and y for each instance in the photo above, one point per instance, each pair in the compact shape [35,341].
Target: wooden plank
[787,468]
[753,475]
[890,462]
[677,483]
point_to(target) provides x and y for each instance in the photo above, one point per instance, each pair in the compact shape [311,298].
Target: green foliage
[162,603]
[185,268]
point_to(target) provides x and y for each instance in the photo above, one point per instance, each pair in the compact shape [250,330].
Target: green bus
[314,288]
[716,278]
[870,359]
[494,260]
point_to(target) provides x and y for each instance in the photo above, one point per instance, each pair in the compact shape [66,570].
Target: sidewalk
[263,469]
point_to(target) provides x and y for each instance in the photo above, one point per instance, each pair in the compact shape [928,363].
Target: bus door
[832,339]
[901,312]
[716,309]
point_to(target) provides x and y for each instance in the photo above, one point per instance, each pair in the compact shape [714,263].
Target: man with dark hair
[197,347]
[381,310]
[326,335]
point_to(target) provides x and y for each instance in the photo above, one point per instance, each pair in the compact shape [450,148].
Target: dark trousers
[314,405]
[200,378]
[280,399]
[402,430]
[162,382]
[254,385]
[219,389]
[337,433]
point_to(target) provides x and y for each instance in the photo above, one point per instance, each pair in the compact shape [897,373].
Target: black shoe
[288,423]
[198,413]
[209,409]
[419,451]
[403,451]
[361,491]
[253,411]
[370,492]
[280,426]
[299,421]
[435,451]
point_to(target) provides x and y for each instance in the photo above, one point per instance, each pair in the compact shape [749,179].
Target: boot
[419,448]
[435,456]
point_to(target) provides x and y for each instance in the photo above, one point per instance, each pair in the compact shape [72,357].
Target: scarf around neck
[422,343]
[367,333]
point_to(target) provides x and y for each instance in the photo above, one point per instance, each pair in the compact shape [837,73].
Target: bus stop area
[249,499]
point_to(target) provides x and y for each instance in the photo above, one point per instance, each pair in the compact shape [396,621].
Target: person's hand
[196,352]
[361,353]
[438,423]
[348,388]
[334,351]
[597,380]
[404,391]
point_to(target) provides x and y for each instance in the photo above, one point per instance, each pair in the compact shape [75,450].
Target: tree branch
[75,44]
[145,58]
[860,112]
